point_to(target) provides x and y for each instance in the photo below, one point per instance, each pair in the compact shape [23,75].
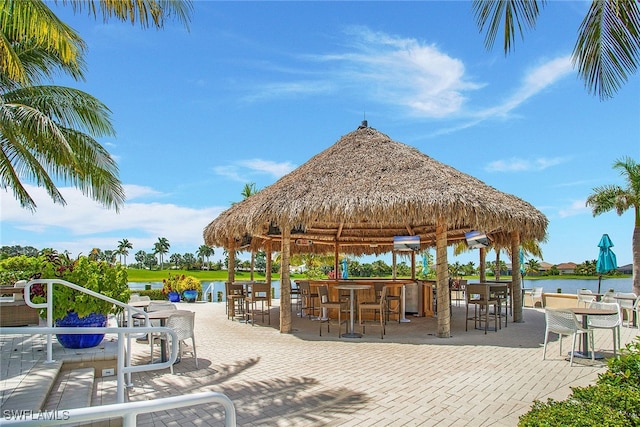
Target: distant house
[625,269]
[567,268]
[544,267]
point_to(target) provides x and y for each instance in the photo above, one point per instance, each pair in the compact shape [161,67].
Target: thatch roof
[366,189]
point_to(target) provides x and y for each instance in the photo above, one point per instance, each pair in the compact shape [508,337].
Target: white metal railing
[128,411]
[49,306]
[209,290]
[122,367]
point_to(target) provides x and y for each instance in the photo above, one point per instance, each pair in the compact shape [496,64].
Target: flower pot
[174,296]
[81,340]
[190,295]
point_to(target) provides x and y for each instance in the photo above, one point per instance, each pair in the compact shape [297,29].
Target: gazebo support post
[231,262]
[285,281]
[267,252]
[483,266]
[442,281]
[515,277]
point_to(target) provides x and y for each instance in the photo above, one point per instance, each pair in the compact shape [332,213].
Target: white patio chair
[627,305]
[182,324]
[564,322]
[586,297]
[609,296]
[536,296]
[610,321]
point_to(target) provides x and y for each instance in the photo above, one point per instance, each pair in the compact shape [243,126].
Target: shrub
[613,401]
[188,283]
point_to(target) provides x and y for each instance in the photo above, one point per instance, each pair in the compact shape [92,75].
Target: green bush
[613,401]
[154,294]
[20,267]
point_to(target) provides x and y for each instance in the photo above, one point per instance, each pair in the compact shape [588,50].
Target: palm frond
[608,46]
[509,14]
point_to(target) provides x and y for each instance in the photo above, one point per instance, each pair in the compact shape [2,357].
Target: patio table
[351,287]
[162,316]
[585,312]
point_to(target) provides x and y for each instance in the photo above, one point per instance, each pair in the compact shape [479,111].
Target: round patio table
[351,287]
[585,312]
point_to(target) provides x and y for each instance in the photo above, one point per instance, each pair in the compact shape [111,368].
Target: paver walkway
[410,378]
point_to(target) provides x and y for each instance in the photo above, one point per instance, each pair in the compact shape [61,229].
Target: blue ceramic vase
[174,296]
[190,295]
[81,340]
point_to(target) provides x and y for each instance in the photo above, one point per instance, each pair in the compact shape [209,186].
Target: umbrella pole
[599,279]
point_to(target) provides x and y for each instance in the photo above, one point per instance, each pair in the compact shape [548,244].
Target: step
[29,390]
[72,389]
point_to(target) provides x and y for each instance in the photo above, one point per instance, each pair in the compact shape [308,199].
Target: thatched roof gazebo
[356,195]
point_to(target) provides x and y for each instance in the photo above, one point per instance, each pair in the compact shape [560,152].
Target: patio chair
[611,321]
[586,297]
[377,306]
[535,296]
[564,322]
[258,293]
[627,305]
[308,306]
[609,296]
[182,324]
[325,302]
[480,296]
[235,299]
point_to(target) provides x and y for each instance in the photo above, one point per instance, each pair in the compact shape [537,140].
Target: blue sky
[254,90]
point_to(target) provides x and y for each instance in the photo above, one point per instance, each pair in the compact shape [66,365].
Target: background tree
[205,251]
[188,259]
[123,249]
[140,257]
[160,248]
[176,260]
[532,266]
[614,197]
[608,47]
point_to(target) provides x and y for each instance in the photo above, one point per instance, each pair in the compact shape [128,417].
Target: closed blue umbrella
[345,272]
[606,258]
[521,262]
[425,263]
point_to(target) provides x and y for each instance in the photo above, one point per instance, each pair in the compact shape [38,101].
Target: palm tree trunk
[635,249]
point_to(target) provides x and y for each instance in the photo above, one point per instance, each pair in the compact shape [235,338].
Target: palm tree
[123,249]
[614,197]
[160,248]
[205,251]
[48,133]
[608,46]
[531,266]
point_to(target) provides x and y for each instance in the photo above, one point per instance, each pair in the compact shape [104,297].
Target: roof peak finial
[363,125]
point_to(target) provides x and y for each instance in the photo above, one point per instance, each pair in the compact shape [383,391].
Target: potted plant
[170,287]
[190,288]
[74,308]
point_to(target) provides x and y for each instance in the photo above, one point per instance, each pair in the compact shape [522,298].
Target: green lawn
[136,275]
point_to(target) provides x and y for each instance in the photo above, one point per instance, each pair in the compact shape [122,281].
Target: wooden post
[483,266]
[285,281]
[231,262]
[267,250]
[516,282]
[442,281]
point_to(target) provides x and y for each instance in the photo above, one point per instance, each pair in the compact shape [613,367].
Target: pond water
[569,286]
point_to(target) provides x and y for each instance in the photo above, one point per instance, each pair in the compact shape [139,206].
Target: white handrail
[129,411]
[122,368]
[49,306]
[209,290]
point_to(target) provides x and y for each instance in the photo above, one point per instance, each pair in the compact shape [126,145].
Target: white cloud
[534,82]
[242,170]
[577,207]
[267,166]
[521,165]
[84,224]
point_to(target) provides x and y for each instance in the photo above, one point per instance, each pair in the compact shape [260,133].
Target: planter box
[551,300]
[17,313]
